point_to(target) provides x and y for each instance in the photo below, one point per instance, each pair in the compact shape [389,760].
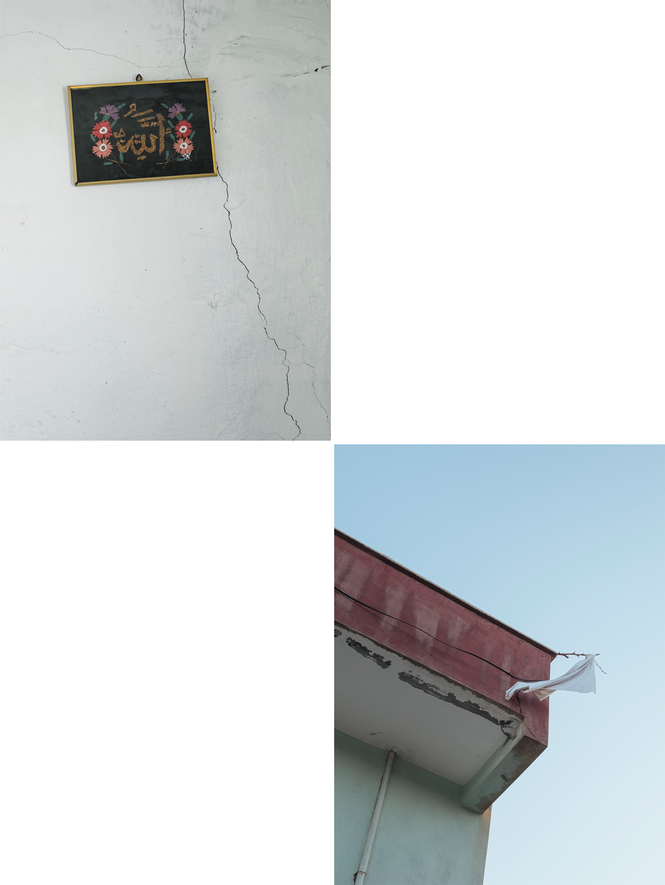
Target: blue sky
[567,545]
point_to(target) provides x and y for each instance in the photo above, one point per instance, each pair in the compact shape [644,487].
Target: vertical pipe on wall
[359,877]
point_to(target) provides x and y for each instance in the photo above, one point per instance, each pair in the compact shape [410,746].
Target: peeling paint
[507,726]
[366,653]
[337,632]
[506,773]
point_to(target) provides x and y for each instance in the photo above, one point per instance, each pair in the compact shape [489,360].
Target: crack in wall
[28,349]
[82,49]
[184,44]
[264,320]
[304,73]
[325,411]
[109,54]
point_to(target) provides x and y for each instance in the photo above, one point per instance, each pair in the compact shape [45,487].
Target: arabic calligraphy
[142,145]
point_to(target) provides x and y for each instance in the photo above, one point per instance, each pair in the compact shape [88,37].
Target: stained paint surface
[408,615]
[472,642]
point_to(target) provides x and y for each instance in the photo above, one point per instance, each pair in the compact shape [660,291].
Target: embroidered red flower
[183,128]
[102,148]
[183,146]
[102,130]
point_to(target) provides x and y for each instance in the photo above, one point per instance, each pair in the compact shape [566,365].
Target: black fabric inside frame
[159,159]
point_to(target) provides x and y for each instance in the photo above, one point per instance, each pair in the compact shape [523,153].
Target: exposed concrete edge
[507,762]
[501,770]
[472,786]
[481,698]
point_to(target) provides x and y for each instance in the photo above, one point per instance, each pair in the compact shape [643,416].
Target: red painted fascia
[376,581]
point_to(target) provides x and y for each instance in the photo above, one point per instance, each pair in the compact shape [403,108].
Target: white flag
[580,677]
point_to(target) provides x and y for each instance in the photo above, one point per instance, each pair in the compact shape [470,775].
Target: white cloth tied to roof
[580,677]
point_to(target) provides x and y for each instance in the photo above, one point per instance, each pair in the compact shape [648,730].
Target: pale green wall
[358,771]
[424,836]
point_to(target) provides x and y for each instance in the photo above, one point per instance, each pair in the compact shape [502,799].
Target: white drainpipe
[359,877]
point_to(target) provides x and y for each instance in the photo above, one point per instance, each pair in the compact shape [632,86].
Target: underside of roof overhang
[394,703]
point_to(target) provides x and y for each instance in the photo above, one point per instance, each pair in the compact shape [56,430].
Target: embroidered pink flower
[111,110]
[183,128]
[102,130]
[102,148]
[175,110]
[183,146]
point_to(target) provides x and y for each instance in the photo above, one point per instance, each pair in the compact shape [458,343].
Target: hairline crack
[264,319]
[184,44]
[325,411]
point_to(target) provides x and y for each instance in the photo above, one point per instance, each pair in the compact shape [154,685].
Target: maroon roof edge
[442,591]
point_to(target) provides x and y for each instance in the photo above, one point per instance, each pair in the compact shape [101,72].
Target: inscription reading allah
[141,144]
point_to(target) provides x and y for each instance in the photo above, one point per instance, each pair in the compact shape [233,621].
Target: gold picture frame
[148,130]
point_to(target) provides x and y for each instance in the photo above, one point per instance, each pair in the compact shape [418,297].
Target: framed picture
[141,131]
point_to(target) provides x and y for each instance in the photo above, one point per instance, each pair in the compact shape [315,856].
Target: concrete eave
[462,652]
[382,698]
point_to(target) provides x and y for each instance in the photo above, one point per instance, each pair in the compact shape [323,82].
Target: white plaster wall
[125,310]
